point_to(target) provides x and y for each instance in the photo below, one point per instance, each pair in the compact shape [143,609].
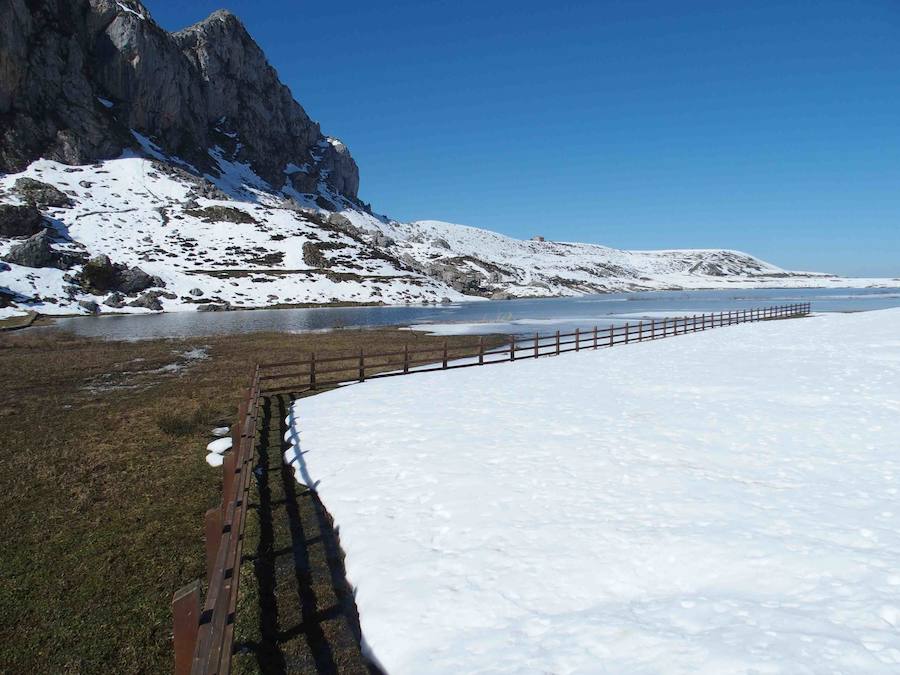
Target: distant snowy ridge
[232,240]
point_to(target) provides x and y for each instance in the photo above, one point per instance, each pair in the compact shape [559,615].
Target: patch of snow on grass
[724,502]
[220,445]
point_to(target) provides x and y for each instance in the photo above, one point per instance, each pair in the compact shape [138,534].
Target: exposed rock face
[313,256]
[77,75]
[219,214]
[37,251]
[100,275]
[20,221]
[41,194]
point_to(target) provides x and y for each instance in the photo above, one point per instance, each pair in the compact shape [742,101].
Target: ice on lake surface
[505,316]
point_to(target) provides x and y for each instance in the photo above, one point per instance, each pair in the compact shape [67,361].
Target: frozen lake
[504,316]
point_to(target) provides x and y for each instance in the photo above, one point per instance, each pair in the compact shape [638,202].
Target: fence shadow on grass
[307,616]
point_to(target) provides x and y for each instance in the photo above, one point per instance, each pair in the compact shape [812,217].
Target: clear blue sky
[771,127]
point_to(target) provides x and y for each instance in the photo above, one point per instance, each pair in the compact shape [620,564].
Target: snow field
[725,502]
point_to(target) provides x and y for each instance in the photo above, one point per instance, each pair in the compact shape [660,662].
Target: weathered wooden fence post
[595,337]
[405,357]
[557,343]
[512,347]
[444,364]
[362,365]
[312,371]
[627,332]
[212,527]
[185,625]
[577,340]
[641,331]
[537,351]
[481,350]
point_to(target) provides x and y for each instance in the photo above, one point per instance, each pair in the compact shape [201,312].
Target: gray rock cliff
[77,75]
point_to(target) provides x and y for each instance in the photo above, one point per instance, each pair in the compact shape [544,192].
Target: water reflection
[519,316]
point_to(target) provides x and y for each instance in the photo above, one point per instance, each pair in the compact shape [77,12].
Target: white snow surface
[220,445]
[720,502]
[139,212]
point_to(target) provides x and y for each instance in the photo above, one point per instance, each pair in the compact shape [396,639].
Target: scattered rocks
[381,239]
[150,300]
[343,224]
[445,300]
[313,256]
[20,221]
[214,307]
[219,214]
[502,295]
[440,242]
[91,306]
[41,194]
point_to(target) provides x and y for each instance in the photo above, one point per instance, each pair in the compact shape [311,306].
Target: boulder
[101,275]
[135,280]
[37,251]
[440,242]
[148,301]
[20,221]
[115,300]
[41,194]
[196,292]
[91,306]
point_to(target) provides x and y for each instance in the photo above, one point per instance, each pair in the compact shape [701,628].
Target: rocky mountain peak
[77,76]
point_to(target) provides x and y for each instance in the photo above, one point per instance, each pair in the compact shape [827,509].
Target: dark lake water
[506,316]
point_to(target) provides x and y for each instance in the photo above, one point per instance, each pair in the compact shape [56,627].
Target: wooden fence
[204,632]
[322,370]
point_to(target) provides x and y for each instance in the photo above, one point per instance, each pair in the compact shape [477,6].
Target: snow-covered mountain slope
[232,240]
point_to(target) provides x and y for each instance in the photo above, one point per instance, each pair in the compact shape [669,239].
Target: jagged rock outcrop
[77,75]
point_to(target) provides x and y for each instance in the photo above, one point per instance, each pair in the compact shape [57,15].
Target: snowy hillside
[232,240]
[622,511]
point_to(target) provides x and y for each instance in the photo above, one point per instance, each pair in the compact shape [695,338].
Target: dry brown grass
[104,485]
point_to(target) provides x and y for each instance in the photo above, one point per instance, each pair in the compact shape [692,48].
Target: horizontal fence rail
[203,632]
[318,370]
